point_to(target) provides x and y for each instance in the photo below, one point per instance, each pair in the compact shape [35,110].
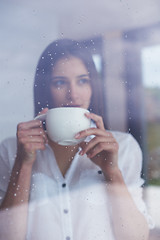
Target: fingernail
[77,135]
[81,153]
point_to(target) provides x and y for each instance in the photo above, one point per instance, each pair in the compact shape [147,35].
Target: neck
[64,155]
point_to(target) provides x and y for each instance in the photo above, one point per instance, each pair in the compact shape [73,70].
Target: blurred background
[124,37]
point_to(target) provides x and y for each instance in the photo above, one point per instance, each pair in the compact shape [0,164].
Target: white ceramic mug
[63,123]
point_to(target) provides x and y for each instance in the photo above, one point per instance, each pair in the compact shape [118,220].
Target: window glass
[151,83]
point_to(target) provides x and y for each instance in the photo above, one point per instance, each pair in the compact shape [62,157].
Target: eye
[58,83]
[84,81]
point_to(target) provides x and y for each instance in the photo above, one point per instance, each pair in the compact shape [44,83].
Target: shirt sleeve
[131,166]
[7,157]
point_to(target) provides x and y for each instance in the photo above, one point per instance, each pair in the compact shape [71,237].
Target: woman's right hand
[30,137]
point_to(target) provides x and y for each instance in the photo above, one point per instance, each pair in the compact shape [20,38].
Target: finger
[82,145]
[31,132]
[29,124]
[32,139]
[98,120]
[87,147]
[92,131]
[110,148]
[32,147]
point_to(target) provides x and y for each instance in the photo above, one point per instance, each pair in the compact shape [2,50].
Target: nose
[72,93]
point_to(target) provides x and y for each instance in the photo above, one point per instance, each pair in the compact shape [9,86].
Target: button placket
[65,211]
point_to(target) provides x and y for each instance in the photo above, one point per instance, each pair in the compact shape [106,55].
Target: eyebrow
[58,77]
[83,75]
[62,77]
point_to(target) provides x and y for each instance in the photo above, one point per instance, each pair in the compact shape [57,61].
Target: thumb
[43,111]
[41,115]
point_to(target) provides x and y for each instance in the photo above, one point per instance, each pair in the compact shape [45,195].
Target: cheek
[87,93]
[57,95]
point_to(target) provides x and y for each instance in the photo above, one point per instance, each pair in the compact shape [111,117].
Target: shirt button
[65,211]
[68,238]
[64,185]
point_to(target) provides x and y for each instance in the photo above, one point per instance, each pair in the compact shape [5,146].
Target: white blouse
[75,206]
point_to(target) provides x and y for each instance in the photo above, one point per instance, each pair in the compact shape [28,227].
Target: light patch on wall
[150,57]
[98,62]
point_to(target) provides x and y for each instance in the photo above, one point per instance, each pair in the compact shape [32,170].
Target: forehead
[69,65]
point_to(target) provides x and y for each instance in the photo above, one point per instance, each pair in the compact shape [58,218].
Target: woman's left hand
[103,148]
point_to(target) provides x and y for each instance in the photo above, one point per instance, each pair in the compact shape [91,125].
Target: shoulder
[9,143]
[123,136]
[126,141]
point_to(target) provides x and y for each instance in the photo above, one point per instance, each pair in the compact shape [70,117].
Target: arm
[128,222]
[14,208]
[15,204]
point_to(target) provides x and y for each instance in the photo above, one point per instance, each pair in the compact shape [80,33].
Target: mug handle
[41,117]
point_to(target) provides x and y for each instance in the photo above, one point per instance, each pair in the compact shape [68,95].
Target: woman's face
[70,84]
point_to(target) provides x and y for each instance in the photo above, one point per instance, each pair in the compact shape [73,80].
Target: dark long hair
[55,51]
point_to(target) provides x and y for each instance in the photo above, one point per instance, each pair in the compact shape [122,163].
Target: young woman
[88,191]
